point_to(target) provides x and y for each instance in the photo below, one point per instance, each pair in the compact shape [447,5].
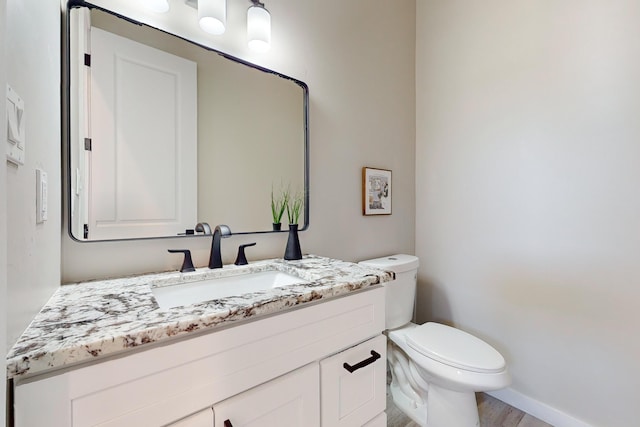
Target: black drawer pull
[227,423]
[374,356]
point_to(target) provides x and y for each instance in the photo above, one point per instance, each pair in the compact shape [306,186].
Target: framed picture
[376,191]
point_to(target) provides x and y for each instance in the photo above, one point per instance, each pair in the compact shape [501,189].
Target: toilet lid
[455,348]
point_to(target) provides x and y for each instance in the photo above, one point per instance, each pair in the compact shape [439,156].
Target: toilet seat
[454,348]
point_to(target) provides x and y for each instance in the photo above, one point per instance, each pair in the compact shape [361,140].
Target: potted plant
[278,206]
[294,208]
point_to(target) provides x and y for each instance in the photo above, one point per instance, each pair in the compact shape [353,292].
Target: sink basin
[177,295]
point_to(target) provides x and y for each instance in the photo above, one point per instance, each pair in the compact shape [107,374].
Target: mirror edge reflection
[66,124]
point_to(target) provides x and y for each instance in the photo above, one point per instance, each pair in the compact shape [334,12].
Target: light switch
[15,127]
[41,196]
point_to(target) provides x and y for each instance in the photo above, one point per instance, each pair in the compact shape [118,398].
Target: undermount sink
[187,293]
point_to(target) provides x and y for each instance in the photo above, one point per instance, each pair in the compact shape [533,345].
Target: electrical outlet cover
[41,196]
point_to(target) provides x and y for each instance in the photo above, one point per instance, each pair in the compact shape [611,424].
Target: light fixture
[159,6]
[212,15]
[258,27]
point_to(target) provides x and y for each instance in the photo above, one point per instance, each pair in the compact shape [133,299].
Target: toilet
[436,369]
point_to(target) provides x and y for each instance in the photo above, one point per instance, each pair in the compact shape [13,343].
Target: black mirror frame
[66,121]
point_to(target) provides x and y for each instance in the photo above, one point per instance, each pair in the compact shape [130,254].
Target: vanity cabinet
[203,418]
[350,385]
[353,384]
[292,400]
[290,363]
[287,401]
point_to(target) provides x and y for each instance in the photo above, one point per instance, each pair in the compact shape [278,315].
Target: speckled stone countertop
[85,321]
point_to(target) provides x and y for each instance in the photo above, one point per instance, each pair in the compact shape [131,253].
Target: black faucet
[215,258]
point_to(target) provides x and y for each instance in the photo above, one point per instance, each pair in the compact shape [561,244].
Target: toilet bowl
[436,369]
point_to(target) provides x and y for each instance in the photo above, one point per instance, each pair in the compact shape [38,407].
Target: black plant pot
[293,252]
[277,226]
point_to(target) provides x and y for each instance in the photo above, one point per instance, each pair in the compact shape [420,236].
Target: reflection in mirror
[164,134]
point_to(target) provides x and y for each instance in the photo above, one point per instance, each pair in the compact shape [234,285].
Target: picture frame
[376,191]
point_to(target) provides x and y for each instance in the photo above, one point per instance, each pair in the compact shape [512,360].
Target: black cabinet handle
[374,356]
[227,423]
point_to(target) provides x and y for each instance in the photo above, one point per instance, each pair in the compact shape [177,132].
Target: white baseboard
[538,409]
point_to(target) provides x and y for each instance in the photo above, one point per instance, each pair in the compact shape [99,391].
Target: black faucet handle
[241,259]
[187,264]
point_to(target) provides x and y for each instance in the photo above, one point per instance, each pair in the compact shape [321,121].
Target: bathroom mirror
[163,133]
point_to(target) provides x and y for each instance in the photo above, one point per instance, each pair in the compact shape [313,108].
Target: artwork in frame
[376,191]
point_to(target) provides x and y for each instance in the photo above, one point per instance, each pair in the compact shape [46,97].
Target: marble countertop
[89,320]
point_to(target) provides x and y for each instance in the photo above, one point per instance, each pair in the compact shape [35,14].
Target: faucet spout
[215,258]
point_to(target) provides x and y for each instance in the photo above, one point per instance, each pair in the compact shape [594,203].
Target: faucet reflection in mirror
[212,18]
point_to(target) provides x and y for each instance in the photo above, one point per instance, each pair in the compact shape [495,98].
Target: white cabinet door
[379,421]
[292,400]
[203,418]
[353,384]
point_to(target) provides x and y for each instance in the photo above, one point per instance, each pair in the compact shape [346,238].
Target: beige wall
[32,69]
[361,84]
[249,141]
[528,164]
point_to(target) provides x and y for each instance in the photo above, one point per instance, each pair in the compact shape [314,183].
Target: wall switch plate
[41,196]
[15,127]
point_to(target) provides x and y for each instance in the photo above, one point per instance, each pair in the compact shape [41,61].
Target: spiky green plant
[278,205]
[294,207]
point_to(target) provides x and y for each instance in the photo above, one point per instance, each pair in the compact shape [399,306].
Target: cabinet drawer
[203,418]
[292,400]
[353,384]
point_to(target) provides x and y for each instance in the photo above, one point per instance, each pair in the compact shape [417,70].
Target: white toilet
[436,369]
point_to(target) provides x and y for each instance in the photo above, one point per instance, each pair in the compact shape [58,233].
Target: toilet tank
[400,294]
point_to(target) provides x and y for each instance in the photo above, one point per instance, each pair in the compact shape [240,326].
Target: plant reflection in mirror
[278,205]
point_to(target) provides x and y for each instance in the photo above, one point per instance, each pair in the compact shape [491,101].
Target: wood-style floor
[493,413]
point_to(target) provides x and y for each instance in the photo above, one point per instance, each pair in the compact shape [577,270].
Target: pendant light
[212,16]
[258,27]
[158,6]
